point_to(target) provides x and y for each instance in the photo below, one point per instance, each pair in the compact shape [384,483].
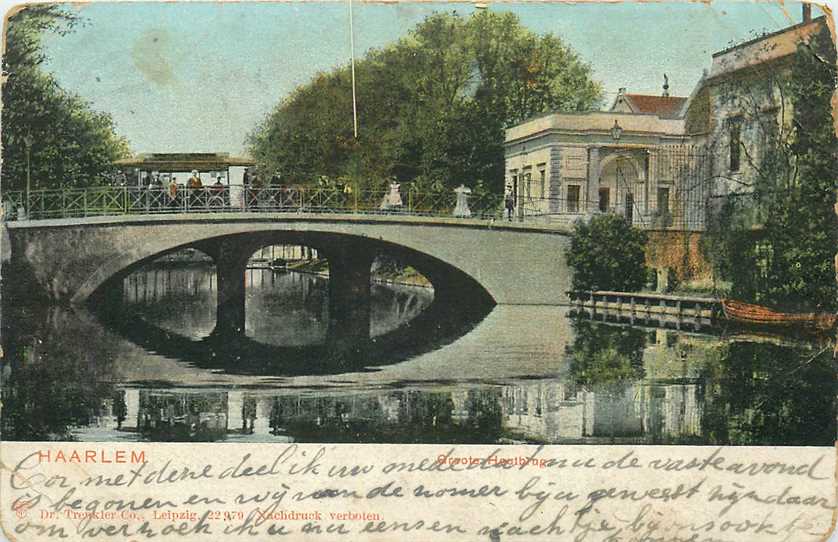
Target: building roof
[764,49]
[184,161]
[598,123]
[665,107]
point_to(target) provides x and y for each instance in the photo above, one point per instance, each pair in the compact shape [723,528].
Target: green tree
[801,225]
[607,254]
[432,107]
[71,145]
[762,394]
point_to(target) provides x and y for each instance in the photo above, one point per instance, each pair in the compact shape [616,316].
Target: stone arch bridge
[468,261]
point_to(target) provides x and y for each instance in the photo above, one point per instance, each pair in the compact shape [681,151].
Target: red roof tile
[666,107]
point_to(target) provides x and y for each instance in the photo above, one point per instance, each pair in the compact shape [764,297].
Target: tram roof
[184,161]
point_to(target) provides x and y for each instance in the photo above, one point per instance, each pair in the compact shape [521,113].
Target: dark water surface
[158,371]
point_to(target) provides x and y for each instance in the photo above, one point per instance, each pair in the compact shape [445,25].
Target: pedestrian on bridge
[509,202]
[195,188]
[154,194]
[393,200]
[217,199]
[173,195]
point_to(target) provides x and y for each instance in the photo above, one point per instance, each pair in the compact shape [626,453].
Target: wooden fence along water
[663,309]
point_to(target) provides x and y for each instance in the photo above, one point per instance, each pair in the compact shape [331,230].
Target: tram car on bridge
[140,169]
[186,180]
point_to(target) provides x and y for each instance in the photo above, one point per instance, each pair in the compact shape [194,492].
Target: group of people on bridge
[193,194]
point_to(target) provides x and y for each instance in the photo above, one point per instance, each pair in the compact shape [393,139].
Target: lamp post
[27,142]
[352,57]
[616,131]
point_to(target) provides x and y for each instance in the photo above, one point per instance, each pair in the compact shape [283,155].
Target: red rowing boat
[747,313]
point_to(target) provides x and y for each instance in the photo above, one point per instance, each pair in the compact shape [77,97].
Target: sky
[197,77]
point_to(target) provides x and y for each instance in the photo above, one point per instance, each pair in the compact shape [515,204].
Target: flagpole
[352,47]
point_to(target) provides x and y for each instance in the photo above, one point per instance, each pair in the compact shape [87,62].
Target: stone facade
[659,160]
[563,167]
[746,106]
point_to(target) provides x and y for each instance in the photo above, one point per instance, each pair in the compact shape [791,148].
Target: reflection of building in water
[665,405]
[176,415]
[555,411]
[152,284]
[550,410]
[103,422]
[189,414]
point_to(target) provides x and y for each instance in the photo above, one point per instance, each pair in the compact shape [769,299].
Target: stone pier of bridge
[350,264]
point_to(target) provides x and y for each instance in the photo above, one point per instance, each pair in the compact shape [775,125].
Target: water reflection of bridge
[547,411]
[408,321]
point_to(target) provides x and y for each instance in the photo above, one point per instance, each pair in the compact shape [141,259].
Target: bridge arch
[238,248]
[72,258]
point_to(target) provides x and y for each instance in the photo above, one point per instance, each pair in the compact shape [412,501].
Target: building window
[604,199]
[542,180]
[526,178]
[573,198]
[735,129]
[663,201]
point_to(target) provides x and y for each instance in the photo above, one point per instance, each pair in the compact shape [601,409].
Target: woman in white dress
[393,199]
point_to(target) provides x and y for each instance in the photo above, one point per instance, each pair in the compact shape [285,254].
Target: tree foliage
[432,107]
[777,244]
[765,394]
[71,144]
[606,355]
[607,254]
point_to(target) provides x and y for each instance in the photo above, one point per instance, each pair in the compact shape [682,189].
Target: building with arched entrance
[660,160]
[630,160]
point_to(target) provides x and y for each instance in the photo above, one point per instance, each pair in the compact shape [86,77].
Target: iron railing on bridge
[125,200]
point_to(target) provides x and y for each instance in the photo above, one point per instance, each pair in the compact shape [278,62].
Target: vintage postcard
[369,271]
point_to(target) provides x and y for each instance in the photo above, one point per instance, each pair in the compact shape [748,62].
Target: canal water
[157,370]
